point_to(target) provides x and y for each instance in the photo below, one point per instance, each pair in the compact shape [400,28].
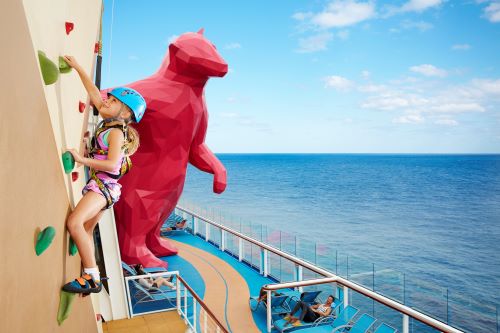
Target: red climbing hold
[74,176]
[81,106]
[96,47]
[87,134]
[69,27]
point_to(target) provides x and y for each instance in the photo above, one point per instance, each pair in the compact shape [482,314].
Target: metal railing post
[298,275]
[222,240]
[195,225]
[195,318]
[346,296]
[207,231]
[263,262]
[268,309]
[240,249]
[406,324]
[178,295]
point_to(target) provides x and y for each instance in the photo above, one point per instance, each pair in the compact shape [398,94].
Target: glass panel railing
[471,314]
[427,298]
[389,283]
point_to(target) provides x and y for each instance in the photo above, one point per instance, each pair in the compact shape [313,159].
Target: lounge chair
[279,304]
[171,222]
[140,296]
[362,325]
[384,328]
[338,312]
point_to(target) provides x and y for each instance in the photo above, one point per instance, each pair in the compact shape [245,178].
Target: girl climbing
[112,144]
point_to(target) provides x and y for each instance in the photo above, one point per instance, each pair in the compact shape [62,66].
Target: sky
[418,76]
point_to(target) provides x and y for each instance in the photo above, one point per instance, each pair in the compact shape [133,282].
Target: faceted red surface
[172,134]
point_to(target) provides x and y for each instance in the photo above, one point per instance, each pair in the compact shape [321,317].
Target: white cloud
[344,13]
[429,70]
[457,107]
[409,119]
[446,121]
[302,16]
[314,43]
[386,102]
[420,25]
[486,86]
[232,46]
[338,83]
[461,47]
[133,57]
[365,74]
[492,12]
[419,5]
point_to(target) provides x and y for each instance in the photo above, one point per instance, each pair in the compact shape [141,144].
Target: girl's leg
[89,227]
[88,207]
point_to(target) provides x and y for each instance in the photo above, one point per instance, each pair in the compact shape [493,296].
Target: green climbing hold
[65,302]
[72,247]
[63,66]
[68,162]
[44,240]
[50,71]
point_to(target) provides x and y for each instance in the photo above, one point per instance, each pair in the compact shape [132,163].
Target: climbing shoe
[84,285]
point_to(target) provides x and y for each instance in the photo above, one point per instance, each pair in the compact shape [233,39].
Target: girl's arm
[115,139]
[94,93]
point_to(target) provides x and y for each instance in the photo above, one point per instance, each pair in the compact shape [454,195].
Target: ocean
[433,218]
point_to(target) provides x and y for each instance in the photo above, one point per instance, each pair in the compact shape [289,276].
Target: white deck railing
[406,311]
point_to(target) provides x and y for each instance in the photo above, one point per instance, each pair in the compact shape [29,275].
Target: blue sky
[419,76]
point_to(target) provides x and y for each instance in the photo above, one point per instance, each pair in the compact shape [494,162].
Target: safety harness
[96,149]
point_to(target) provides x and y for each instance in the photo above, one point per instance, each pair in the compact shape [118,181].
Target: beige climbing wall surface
[37,122]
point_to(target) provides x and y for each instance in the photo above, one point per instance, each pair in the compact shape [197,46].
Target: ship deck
[224,283]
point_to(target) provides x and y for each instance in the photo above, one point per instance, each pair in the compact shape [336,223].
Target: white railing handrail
[369,293]
[426,319]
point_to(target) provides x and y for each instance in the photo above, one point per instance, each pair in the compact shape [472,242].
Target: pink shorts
[114,190]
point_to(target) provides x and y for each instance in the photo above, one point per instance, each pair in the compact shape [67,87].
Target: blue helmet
[132,99]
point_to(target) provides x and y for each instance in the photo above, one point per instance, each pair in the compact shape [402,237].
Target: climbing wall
[38,122]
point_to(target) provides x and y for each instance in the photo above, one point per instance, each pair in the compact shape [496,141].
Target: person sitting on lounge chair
[153,282]
[174,222]
[310,313]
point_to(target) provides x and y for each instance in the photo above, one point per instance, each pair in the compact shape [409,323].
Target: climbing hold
[69,27]
[87,134]
[44,239]
[63,66]
[65,302]
[72,247]
[96,47]
[81,106]
[50,72]
[74,176]
[68,162]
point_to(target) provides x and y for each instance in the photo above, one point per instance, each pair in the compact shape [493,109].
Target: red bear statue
[172,134]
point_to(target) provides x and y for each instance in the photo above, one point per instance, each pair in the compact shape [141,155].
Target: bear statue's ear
[201,31]
[172,48]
